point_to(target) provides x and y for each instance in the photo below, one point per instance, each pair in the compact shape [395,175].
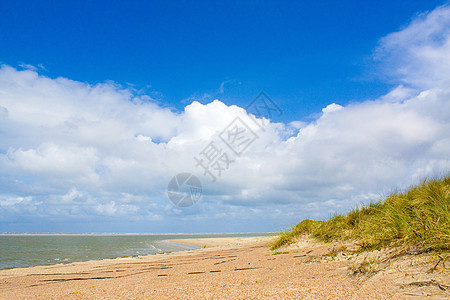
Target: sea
[27,250]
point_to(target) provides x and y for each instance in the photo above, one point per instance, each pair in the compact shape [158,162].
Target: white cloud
[418,55]
[331,107]
[100,151]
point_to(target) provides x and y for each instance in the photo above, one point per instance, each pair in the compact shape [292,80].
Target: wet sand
[229,268]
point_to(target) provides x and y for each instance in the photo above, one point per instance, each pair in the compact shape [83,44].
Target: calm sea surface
[24,250]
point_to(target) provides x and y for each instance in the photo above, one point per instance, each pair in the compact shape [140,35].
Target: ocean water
[26,250]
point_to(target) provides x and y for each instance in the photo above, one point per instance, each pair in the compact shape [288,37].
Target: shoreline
[249,234]
[226,268]
[190,245]
[187,246]
[135,244]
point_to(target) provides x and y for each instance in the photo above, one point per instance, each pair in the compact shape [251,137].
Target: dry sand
[232,268]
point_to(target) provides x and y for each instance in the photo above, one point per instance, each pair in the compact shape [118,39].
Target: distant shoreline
[34,249]
[187,246]
[126,234]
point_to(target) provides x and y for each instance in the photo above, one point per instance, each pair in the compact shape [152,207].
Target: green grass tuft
[418,217]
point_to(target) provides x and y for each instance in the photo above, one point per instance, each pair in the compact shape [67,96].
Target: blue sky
[103,102]
[304,54]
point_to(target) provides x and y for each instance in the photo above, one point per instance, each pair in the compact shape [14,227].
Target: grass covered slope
[418,218]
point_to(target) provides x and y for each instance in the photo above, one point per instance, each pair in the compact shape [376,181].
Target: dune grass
[418,217]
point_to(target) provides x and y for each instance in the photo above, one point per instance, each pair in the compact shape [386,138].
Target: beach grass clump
[418,217]
[284,238]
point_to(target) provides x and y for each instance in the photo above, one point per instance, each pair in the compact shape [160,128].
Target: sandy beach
[226,268]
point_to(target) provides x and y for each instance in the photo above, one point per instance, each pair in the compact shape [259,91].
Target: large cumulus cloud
[75,152]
